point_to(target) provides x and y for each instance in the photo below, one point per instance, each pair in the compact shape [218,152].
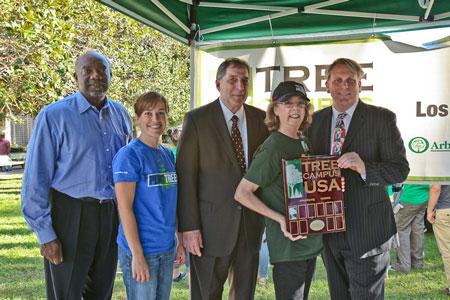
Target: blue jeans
[160,283]
[263,259]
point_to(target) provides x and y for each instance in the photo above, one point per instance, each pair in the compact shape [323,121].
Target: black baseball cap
[286,89]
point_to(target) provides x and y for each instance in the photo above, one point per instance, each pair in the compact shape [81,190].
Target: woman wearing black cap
[293,258]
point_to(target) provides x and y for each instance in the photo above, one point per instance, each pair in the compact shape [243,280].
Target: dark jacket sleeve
[187,166]
[392,166]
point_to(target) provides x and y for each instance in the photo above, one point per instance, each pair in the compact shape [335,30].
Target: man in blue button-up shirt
[68,192]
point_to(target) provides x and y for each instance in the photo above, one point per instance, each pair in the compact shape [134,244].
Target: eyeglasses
[350,82]
[290,104]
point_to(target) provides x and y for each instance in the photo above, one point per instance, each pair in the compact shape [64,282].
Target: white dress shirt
[242,125]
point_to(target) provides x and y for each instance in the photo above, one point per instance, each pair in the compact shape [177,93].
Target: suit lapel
[355,124]
[218,119]
[252,134]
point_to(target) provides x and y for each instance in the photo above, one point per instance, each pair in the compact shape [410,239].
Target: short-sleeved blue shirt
[155,201]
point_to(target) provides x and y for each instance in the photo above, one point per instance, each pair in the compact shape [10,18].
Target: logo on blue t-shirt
[161,179]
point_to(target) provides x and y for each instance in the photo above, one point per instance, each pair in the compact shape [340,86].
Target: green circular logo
[418,144]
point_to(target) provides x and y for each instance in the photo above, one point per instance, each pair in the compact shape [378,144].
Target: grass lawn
[22,277]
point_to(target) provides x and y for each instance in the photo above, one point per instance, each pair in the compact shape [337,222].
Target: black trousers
[208,273]
[87,231]
[292,279]
[351,277]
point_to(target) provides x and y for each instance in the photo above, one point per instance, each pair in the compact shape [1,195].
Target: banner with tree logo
[410,81]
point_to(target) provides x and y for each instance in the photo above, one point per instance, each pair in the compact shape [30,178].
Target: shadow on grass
[6,187]
[10,183]
[9,192]
[19,220]
[26,245]
[20,263]
[15,231]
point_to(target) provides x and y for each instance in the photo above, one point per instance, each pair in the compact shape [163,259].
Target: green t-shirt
[265,171]
[415,193]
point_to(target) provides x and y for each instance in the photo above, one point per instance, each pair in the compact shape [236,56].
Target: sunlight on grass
[22,272]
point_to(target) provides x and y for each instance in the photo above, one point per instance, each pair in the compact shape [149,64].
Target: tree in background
[40,40]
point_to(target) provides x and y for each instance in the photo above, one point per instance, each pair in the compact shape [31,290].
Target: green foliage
[18,149]
[40,40]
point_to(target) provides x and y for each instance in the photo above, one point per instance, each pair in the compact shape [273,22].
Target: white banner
[414,85]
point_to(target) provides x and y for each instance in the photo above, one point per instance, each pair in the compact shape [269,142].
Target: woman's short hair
[273,122]
[147,101]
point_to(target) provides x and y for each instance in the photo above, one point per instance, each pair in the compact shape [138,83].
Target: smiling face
[93,75]
[233,87]
[344,87]
[153,122]
[291,114]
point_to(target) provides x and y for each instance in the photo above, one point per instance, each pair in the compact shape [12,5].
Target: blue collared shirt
[71,150]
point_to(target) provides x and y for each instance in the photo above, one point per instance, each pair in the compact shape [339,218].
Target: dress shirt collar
[83,104]
[228,114]
[349,111]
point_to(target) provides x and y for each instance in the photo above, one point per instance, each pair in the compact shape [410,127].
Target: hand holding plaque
[313,195]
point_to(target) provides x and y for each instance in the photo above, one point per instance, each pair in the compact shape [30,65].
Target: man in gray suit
[372,156]
[215,148]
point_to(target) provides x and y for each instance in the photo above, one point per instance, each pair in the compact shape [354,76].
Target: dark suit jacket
[374,135]
[208,174]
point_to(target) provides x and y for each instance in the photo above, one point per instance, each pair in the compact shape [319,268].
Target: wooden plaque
[313,195]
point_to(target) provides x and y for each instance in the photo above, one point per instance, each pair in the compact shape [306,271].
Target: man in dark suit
[372,156]
[222,236]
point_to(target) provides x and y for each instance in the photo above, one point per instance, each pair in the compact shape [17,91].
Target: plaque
[313,195]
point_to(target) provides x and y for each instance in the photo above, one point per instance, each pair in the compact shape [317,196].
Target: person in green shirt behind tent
[409,218]
[294,259]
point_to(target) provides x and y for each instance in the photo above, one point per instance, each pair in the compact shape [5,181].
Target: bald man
[67,191]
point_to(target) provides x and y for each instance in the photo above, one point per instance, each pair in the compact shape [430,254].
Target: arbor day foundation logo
[418,144]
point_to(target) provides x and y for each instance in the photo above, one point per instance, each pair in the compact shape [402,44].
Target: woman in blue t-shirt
[146,190]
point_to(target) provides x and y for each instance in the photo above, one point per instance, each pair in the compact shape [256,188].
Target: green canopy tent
[209,25]
[271,34]
[203,23]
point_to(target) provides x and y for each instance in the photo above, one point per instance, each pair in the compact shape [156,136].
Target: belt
[55,194]
[95,200]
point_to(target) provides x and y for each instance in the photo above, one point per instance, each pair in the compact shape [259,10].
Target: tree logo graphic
[418,144]
[294,179]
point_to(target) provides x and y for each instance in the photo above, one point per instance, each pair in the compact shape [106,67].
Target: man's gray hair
[233,61]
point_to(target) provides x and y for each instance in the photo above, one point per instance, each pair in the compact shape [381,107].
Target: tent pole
[143,20]
[193,81]
[343,13]
[323,4]
[251,21]
[427,12]
[441,16]
[171,16]
[194,37]
[244,6]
